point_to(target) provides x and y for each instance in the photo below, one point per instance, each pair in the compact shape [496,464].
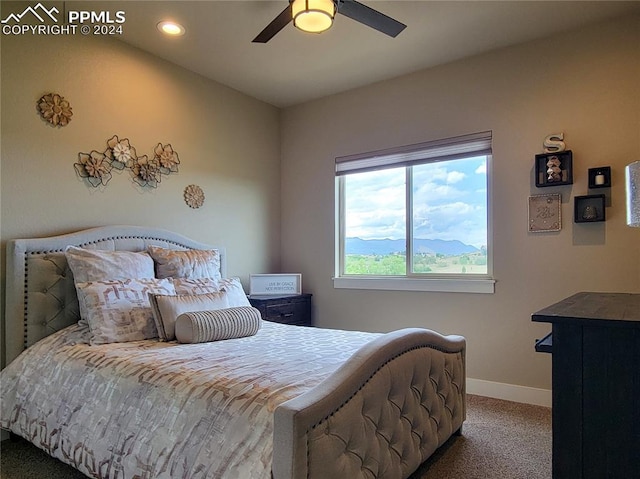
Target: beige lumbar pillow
[205,326]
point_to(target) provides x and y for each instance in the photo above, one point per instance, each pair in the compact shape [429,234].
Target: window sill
[440,285]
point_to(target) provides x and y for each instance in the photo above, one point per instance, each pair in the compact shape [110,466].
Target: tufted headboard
[40,292]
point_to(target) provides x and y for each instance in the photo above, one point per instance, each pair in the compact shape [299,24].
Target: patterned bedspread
[149,409]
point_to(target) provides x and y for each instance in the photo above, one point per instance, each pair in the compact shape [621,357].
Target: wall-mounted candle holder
[600,177]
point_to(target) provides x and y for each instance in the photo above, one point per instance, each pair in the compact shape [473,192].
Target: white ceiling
[295,67]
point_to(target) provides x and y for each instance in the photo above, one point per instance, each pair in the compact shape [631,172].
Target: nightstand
[288,309]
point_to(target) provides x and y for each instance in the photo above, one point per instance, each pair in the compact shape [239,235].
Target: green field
[395,264]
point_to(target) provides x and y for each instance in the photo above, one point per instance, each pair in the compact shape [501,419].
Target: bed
[284,402]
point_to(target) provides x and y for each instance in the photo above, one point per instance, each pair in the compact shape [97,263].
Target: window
[416,217]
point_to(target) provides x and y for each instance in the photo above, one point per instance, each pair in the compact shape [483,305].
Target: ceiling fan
[317,16]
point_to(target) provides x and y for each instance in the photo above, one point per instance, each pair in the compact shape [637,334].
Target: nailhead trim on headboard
[25,324]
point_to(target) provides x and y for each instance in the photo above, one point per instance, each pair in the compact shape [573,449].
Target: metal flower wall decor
[96,167]
[120,152]
[167,158]
[194,196]
[55,109]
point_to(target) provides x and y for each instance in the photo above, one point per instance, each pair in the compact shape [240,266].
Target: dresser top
[621,309]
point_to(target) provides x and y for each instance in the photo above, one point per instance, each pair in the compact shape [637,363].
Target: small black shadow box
[589,209]
[600,177]
[553,169]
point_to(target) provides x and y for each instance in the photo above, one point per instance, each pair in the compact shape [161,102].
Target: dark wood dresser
[288,309]
[595,344]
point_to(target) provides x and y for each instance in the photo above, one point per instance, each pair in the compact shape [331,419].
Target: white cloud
[455,177]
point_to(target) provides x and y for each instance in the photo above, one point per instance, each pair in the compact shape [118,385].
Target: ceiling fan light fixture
[313,16]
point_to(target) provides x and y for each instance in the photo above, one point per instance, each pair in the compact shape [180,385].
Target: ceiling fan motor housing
[313,16]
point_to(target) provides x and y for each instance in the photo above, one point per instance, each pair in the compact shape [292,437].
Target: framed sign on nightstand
[278,284]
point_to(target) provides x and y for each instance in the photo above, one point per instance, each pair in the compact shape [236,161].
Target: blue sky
[449,202]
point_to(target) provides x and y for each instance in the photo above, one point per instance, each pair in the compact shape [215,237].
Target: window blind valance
[465,146]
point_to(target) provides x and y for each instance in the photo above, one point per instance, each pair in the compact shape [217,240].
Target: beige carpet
[500,440]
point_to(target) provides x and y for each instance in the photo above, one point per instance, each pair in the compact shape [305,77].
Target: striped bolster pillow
[228,323]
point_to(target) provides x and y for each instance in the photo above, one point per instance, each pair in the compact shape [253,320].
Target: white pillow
[233,287]
[119,310]
[99,265]
[191,263]
[166,308]
[235,292]
[230,323]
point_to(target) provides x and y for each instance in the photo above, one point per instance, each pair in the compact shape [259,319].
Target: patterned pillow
[196,285]
[119,310]
[192,263]
[99,265]
[205,326]
[167,308]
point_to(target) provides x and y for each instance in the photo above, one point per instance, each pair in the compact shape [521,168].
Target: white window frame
[477,144]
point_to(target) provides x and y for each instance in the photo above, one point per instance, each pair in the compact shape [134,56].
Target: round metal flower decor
[194,196]
[55,109]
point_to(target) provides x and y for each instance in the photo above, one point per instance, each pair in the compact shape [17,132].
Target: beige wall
[228,144]
[584,83]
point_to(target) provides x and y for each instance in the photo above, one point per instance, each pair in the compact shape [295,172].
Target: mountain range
[389,246]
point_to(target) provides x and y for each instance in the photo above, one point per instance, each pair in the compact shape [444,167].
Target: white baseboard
[509,392]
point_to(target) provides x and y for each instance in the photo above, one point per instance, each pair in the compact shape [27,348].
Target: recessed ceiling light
[171,28]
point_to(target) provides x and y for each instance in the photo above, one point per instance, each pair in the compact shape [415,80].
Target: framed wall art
[545,213]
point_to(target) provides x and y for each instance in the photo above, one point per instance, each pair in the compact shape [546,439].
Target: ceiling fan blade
[275,26]
[370,17]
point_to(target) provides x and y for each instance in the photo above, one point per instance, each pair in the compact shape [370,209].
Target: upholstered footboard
[380,415]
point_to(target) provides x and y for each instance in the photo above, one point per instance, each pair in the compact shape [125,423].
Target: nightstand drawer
[290,309]
[291,313]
